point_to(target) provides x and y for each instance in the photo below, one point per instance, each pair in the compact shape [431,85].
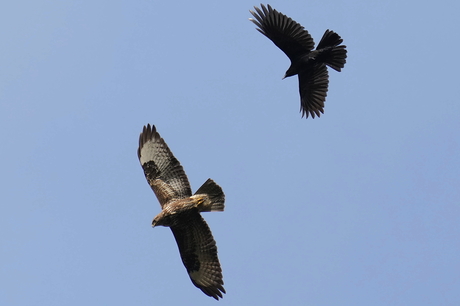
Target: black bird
[308,64]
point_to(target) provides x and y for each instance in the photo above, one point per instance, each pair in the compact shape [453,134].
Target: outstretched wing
[162,170]
[287,34]
[313,84]
[198,251]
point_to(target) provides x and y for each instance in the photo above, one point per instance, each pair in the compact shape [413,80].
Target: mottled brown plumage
[181,211]
[308,64]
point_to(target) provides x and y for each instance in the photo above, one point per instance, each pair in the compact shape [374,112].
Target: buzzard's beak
[284,77]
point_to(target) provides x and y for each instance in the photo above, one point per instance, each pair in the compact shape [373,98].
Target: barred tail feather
[215,195]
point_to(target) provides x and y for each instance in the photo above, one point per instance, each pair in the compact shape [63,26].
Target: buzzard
[308,64]
[181,211]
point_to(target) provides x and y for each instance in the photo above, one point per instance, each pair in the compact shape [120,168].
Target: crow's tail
[333,54]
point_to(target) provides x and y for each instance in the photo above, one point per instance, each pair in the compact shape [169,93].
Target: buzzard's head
[160,220]
[155,222]
[165,218]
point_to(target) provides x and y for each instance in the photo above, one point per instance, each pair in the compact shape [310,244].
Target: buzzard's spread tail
[335,54]
[214,194]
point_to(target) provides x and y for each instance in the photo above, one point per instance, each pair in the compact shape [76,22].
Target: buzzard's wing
[198,251]
[162,170]
[313,85]
[287,34]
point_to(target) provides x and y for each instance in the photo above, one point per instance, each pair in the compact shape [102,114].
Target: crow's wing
[287,34]
[313,85]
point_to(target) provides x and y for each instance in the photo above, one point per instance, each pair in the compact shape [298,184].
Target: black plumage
[308,64]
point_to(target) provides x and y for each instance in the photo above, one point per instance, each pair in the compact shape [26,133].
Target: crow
[308,64]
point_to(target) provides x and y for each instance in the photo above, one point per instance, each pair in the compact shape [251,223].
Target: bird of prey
[181,211]
[308,64]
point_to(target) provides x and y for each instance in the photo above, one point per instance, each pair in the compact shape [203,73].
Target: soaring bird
[308,64]
[181,211]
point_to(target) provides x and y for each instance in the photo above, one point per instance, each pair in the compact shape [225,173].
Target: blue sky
[358,207]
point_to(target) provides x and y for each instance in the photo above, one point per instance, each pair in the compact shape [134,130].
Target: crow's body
[308,64]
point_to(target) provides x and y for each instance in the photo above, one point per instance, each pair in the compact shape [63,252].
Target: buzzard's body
[181,211]
[308,64]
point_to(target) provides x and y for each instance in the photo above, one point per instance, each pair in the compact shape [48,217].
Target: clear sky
[358,207]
